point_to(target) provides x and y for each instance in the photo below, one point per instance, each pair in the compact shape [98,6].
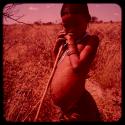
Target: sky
[50,12]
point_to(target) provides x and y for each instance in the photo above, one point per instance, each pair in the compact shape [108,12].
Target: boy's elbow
[75,62]
[75,67]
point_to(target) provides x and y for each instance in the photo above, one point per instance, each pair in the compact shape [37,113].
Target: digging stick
[49,81]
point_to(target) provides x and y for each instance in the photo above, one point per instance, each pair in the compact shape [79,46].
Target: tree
[9,12]
[111,21]
[37,22]
[94,19]
[100,21]
[48,23]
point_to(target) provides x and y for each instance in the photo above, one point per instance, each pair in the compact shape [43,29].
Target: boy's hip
[84,110]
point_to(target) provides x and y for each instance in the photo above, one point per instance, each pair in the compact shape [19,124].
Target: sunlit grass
[27,64]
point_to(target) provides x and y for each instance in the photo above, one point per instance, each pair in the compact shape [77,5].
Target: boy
[68,83]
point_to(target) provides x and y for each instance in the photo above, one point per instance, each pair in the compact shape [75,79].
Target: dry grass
[106,69]
[27,61]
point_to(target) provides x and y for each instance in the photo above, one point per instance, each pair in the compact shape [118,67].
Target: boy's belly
[65,80]
[64,74]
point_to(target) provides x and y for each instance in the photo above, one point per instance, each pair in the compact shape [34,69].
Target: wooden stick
[49,81]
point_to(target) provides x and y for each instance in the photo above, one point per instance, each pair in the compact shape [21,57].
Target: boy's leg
[85,110]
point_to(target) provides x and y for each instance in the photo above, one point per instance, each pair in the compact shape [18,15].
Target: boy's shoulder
[93,40]
[87,37]
[93,37]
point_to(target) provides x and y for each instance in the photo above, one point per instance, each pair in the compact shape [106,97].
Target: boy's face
[74,23]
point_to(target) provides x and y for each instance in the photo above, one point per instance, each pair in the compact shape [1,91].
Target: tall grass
[27,64]
[106,69]
[108,59]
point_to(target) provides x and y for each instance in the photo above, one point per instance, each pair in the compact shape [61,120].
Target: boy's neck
[81,36]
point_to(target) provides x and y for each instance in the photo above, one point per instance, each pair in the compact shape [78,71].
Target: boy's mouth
[70,33]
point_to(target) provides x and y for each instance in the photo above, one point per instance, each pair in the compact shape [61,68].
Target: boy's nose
[70,34]
[70,31]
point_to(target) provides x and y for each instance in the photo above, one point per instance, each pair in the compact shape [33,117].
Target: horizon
[58,23]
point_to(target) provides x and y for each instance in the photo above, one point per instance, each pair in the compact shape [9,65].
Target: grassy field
[28,62]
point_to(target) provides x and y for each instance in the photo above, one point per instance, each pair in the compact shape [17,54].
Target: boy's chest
[64,59]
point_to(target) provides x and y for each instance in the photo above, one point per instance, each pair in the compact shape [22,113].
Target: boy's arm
[59,41]
[80,61]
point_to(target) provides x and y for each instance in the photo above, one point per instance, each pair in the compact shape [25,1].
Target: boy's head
[75,18]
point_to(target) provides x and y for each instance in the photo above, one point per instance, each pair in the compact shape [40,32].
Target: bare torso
[65,77]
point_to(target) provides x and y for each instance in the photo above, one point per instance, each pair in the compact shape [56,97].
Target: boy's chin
[77,36]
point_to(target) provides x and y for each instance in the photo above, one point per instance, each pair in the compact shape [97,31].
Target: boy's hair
[76,9]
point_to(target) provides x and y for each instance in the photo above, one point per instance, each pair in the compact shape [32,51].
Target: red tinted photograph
[62,62]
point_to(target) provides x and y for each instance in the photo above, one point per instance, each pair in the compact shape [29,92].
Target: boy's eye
[66,25]
[72,24]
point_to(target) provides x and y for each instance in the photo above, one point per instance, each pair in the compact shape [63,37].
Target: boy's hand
[70,39]
[59,41]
